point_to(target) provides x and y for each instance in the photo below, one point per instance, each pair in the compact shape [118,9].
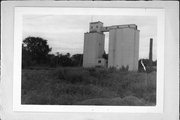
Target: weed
[72,85]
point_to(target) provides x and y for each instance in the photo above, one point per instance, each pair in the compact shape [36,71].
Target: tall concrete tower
[124,47]
[94,46]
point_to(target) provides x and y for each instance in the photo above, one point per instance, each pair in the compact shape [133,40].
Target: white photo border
[18,27]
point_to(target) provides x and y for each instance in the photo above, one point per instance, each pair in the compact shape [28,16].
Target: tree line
[36,52]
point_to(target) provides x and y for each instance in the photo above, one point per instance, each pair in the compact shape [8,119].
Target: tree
[36,48]
[77,59]
[65,60]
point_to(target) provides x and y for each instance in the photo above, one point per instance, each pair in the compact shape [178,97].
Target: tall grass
[97,86]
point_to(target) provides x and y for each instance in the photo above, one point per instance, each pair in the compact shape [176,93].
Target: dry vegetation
[93,86]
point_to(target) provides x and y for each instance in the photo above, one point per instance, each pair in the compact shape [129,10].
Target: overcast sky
[65,33]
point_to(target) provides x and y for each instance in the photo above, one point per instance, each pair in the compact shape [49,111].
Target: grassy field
[93,86]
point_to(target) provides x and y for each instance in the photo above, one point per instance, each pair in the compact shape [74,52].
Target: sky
[65,33]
